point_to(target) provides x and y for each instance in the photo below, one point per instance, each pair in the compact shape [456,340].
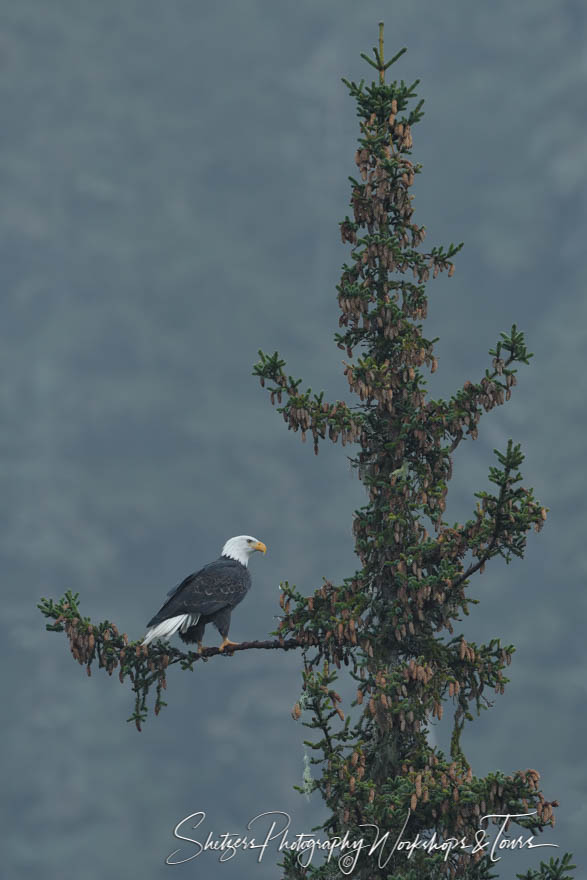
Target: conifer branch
[145,666]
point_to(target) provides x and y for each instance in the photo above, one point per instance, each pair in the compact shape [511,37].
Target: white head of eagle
[207,596]
[241,547]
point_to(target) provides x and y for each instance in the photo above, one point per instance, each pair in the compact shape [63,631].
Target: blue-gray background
[172,176]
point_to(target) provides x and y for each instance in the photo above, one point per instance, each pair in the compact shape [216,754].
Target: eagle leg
[222,623]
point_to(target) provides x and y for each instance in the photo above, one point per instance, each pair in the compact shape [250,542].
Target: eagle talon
[226,642]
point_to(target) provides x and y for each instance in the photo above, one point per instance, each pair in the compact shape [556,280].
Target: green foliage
[102,645]
[555,870]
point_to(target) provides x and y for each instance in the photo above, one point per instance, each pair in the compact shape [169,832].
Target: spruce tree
[394,625]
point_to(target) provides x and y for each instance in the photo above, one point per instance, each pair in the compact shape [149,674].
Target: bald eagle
[207,596]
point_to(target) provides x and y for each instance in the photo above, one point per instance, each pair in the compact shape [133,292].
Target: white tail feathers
[169,627]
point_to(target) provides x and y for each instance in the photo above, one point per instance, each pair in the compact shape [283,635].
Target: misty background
[172,178]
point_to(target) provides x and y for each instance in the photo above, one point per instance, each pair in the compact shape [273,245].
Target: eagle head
[241,547]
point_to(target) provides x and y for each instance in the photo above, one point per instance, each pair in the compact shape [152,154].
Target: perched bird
[207,596]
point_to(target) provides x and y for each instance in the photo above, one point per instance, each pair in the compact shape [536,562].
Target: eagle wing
[220,584]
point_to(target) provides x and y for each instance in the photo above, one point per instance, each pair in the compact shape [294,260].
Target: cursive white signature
[273,828]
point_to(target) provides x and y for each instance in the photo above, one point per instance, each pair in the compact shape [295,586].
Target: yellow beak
[260,546]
